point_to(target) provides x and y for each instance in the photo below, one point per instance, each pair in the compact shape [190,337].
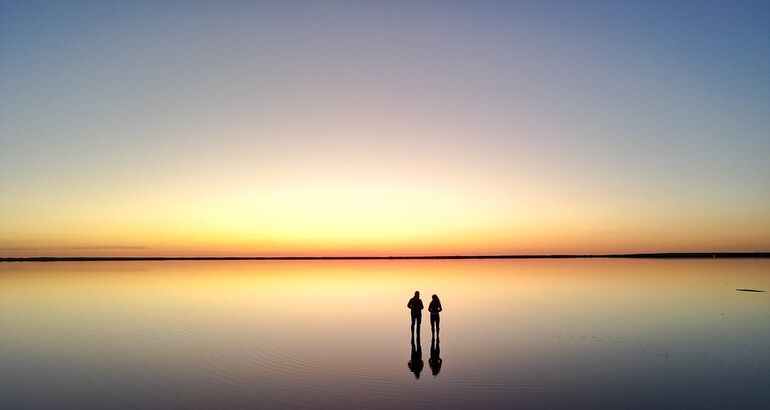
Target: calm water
[328,334]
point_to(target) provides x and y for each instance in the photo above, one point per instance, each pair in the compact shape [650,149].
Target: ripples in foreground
[335,334]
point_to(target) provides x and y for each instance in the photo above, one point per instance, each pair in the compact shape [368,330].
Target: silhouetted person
[435,356]
[415,305]
[415,362]
[434,308]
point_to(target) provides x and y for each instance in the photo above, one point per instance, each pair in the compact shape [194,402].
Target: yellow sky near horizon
[314,218]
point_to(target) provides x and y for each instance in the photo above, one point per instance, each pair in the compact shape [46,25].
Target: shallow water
[335,334]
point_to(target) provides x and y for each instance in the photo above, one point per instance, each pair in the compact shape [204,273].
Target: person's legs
[413,320]
[437,319]
[432,324]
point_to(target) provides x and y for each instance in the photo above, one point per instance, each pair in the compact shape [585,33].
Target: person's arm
[409,304]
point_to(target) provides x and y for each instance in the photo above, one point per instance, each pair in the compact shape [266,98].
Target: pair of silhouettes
[415,306]
[416,363]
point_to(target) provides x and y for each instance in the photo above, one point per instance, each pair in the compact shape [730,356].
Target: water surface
[335,334]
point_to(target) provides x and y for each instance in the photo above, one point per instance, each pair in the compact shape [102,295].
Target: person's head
[417,293]
[435,297]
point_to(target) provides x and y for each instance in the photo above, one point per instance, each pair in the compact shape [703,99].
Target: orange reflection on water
[259,329]
[309,291]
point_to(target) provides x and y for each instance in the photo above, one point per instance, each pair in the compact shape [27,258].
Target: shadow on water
[415,362]
[435,355]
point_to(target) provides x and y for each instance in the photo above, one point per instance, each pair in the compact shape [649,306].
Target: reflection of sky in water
[537,333]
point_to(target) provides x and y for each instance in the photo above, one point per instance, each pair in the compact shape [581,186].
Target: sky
[185,128]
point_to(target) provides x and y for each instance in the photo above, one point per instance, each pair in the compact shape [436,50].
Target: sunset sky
[380,128]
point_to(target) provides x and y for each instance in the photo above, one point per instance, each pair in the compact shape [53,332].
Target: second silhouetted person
[434,308]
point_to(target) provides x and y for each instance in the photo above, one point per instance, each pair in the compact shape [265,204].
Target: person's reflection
[435,355]
[416,363]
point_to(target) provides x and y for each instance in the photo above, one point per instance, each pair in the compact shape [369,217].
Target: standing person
[434,308]
[415,305]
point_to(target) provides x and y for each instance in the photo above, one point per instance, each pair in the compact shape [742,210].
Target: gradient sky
[329,128]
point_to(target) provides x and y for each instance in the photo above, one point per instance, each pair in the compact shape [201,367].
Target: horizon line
[653,255]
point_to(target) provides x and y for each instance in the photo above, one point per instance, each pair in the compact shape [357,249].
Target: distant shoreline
[664,255]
